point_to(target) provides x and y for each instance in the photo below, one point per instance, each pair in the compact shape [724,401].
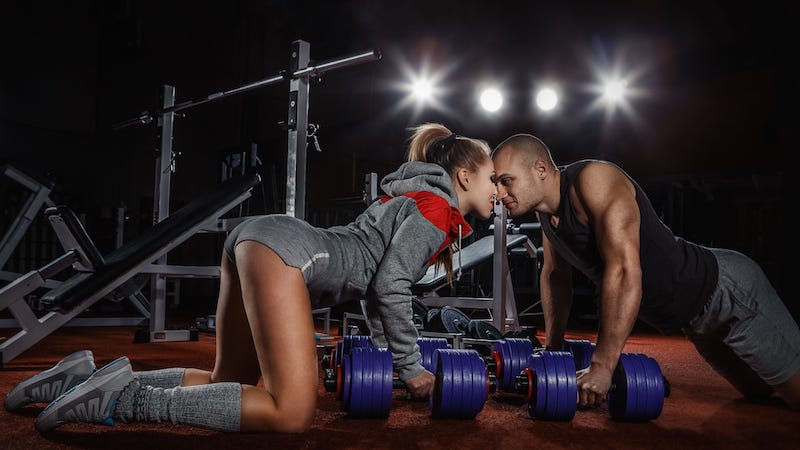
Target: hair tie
[440,146]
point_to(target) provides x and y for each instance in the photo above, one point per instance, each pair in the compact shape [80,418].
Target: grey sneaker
[45,386]
[91,401]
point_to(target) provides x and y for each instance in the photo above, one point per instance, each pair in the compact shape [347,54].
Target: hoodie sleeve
[415,241]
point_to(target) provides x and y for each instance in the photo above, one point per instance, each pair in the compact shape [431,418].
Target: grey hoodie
[388,248]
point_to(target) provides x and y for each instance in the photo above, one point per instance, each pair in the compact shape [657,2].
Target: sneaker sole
[110,373]
[18,396]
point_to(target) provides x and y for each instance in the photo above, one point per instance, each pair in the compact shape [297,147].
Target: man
[597,219]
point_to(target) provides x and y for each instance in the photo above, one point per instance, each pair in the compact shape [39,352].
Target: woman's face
[482,192]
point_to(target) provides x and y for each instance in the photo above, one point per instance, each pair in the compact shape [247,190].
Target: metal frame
[502,305]
[40,195]
[298,75]
[34,329]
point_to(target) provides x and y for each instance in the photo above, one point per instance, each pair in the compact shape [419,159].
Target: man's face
[516,185]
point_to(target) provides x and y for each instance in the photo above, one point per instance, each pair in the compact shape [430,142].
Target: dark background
[710,136]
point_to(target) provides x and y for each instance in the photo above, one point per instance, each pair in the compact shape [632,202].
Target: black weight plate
[420,311]
[454,320]
[433,321]
[480,329]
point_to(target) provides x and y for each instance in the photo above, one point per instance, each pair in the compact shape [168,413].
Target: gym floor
[703,410]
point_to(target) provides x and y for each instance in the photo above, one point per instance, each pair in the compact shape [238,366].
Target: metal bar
[182,271]
[298,133]
[164,167]
[459,302]
[499,267]
[303,72]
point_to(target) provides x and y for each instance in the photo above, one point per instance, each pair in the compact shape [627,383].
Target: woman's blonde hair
[435,143]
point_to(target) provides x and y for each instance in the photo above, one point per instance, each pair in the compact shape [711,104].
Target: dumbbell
[549,384]
[426,347]
[364,381]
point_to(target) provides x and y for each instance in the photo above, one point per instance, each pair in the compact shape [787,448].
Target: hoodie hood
[415,176]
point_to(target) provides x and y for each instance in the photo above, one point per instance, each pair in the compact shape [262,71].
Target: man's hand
[421,386]
[593,385]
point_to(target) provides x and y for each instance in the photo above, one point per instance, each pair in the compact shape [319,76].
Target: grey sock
[216,406]
[163,378]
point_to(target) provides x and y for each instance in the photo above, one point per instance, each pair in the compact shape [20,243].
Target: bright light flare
[491,99]
[614,90]
[546,99]
[422,90]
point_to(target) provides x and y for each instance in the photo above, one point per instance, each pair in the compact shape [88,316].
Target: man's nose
[501,192]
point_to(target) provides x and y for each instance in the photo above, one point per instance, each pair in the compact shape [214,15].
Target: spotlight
[546,99]
[614,91]
[422,89]
[491,99]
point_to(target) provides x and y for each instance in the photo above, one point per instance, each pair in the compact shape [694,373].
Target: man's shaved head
[528,147]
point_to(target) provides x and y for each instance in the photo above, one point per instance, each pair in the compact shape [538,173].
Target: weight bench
[100,276]
[39,195]
[472,255]
[501,305]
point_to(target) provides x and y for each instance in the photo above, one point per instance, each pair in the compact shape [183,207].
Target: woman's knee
[261,412]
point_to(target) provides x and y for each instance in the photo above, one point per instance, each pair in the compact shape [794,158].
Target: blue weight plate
[551,380]
[435,400]
[655,387]
[356,384]
[368,381]
[503,350]
[567,386]
[652,399]
[441,385]
[581,350]
[539,391]
[514,354]
[556,371]
[427,347]
[480,382]
[445,369]
[459,402]
[347,382]
[523,347]
[572,387]
[632,388]
[617,398]
[640,413]
[475,383]
[383,377]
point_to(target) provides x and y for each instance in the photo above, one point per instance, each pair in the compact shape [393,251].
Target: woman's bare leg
[278,310]
[236,358]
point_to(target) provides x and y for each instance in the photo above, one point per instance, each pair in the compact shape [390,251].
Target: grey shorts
[745,331]
[297,243]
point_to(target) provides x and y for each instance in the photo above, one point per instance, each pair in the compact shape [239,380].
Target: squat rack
[298,75]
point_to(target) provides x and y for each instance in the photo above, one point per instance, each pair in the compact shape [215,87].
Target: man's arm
[555,289]
[608,199]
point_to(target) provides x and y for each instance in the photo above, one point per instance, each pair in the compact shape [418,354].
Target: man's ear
[539,168]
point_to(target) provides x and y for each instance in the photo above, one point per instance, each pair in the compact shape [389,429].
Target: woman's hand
[421,386]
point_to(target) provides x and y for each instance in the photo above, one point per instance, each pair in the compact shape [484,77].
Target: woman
[274,271]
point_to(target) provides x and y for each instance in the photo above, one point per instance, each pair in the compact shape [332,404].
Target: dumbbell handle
[522,382]
[331,380]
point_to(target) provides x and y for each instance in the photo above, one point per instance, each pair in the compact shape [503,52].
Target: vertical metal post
[504,308]
[164,169]
[298,132]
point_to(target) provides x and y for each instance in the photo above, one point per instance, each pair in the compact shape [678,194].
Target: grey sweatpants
[745,331]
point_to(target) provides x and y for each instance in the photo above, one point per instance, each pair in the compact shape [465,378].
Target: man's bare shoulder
[600,175]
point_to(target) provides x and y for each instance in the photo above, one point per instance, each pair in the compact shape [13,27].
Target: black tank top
[678,276]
